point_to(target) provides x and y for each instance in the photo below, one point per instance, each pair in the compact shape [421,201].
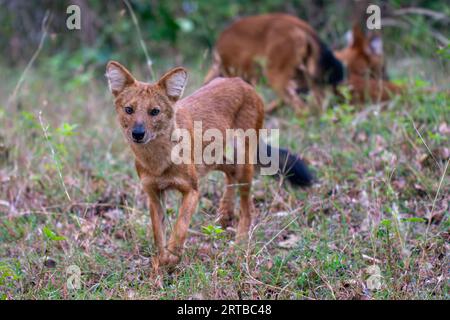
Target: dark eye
[129,110]
[154,112]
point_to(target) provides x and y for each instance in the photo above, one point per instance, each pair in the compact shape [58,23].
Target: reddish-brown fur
[364,89]
[287,44]
[222,104]
[360,57]
[290,45]
[365,66]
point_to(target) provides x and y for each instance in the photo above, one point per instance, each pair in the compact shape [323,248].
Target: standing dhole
[294,57]
[150,113]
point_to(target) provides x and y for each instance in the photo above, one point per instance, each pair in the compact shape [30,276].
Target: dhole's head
[363,55]
[145,111]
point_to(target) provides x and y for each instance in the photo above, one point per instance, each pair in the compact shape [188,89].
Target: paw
[241,238]
[226,222]
[168,259]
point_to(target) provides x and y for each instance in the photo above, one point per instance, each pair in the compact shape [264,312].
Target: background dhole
[367,78]
[295,58]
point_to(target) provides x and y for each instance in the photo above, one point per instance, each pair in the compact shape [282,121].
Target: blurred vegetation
[181,32]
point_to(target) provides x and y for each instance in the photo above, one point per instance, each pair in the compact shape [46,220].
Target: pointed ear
[376,44]
[174,82]
[349,38]
[358,36]
[118,77]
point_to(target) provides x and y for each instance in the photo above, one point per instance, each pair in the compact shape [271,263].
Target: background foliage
[181,31]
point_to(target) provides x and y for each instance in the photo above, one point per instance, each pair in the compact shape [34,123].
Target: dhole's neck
[155,156]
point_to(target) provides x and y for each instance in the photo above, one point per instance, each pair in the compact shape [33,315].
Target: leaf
[414,219]
[67,129]
[212,231]
[49,234]
[385,222]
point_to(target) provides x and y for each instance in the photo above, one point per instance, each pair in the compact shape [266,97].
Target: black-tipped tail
[332,68]
[291,167]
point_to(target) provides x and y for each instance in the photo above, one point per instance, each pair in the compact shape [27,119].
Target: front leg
[178,237]
[157,216]
[292,98]
[319,96]
[273,105]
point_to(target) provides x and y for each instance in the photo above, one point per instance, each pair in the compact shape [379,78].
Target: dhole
[366,69]
[363,54]
[295,58]
[148,115]
[366,78]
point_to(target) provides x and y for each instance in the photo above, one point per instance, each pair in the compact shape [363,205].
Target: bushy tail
[291,167]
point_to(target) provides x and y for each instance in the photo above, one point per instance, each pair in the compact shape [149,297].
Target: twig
[423,141]
[421,11]
[141,40]
[275,236]
[435,199]
[371,259]
[325,281]
[432,210]
[440,37]
[44,24]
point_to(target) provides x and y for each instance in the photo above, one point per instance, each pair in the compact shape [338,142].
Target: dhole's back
[223,104]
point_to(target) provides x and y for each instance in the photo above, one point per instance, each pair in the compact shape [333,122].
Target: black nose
[138,132]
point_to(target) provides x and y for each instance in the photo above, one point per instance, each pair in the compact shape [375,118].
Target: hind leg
[226,207]
[292,98]
[246,202]
[281,72]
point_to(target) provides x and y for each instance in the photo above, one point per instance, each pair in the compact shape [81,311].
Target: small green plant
[213,232]
[67,129]
[51,235]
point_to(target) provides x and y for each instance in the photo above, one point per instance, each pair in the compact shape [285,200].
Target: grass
[381,200]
